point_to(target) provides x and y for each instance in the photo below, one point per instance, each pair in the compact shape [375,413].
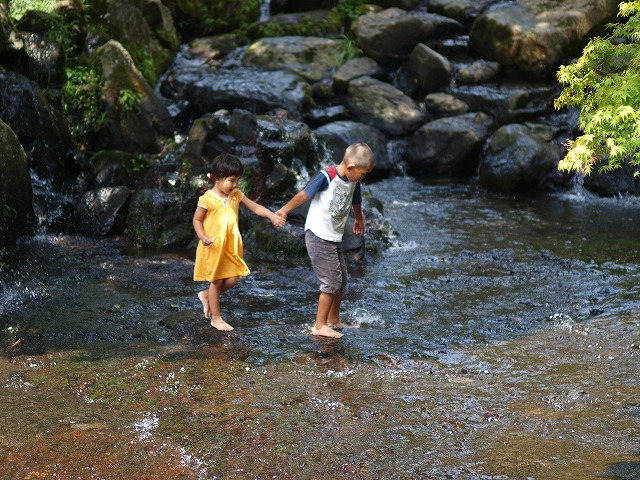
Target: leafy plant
[128,100]
[81,97]
[605,84]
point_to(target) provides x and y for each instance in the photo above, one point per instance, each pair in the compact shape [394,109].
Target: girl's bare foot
[342,325]
[219,324]
[326,331]
[202,296]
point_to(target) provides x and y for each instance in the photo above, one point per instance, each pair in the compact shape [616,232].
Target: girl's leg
[213,296]
[203,297]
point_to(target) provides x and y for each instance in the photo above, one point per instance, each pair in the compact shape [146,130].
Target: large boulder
[41,130]
[531,38]
[430,70]
[615,182]
[15,187]
[389,36]
[449,146]
[355,68]
[383,106]
[137,120]
[311,58]
[339,135]
[130,28]
[209,90]
[509,103]
[103,212]
[464,11]
[516,159]
[160,219]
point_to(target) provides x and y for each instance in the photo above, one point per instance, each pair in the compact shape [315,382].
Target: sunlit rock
[15,187]
[449,146]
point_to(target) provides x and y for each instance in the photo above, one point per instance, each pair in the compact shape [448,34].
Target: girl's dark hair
[226,165]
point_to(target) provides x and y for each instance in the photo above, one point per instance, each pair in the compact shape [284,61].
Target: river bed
[498,339]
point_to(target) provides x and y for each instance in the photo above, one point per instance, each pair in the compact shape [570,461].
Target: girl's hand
[278,221]
[280,213]
[206,241]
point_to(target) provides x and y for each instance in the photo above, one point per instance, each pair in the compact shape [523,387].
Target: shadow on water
[498,338]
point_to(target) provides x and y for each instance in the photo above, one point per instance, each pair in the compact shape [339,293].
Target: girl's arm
[263,212]
[198,226]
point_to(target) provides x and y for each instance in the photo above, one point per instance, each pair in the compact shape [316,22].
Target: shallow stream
[498,339]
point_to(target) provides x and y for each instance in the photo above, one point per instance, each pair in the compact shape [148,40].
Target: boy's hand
[280,213]
[358,227]
[278,221]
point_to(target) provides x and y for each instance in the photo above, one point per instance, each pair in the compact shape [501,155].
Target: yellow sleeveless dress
[223,258]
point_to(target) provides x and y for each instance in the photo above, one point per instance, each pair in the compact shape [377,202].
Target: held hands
[278,220]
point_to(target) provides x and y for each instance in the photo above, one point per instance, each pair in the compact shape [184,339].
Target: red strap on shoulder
[331,170]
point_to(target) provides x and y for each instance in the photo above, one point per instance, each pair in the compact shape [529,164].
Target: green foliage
[128,100]
[81,98]
[605,84]
[349,10]
[18,8]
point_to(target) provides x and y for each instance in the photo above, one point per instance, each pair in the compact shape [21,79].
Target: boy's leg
[213,296]
[321,327]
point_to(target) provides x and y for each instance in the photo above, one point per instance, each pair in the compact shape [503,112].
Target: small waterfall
[265,10]
[53,210]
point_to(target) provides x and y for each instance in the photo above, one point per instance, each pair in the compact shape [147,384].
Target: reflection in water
[498,338]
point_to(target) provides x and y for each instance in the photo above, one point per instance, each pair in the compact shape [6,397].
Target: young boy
[332,192]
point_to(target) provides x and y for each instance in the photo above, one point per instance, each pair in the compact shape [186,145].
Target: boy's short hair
[358,154]
[226,165]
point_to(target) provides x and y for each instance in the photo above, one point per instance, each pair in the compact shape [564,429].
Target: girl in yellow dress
[219,254]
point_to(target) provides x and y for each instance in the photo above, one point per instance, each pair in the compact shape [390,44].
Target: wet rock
[160,219]
[464,11]
[159,19]
[281,6]
[311,58]
[41,130]
[517,160]
[391,35]
[445,104]
[531,38]
[612,183]
[115,168]
[480,71]
[15,187]
[45,60]
[250,89]
[508,103]
[449,146]
[431,71]
[355,68]
[137,121]
[103,212]
[383,106]
[132,30]
[321,116]
[207,130]
[339,135]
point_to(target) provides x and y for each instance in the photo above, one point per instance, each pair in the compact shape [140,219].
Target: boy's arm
[297,200]
[261,211]
[358,219]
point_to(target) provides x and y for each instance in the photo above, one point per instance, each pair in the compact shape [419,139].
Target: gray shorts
[328,263]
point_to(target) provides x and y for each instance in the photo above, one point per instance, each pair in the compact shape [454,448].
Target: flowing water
[498,339]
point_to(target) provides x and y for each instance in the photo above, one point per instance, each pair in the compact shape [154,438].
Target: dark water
[498,339]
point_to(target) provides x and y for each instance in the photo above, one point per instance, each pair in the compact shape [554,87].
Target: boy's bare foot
[202,296]
[326,331]
[219,324]
[342,325]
